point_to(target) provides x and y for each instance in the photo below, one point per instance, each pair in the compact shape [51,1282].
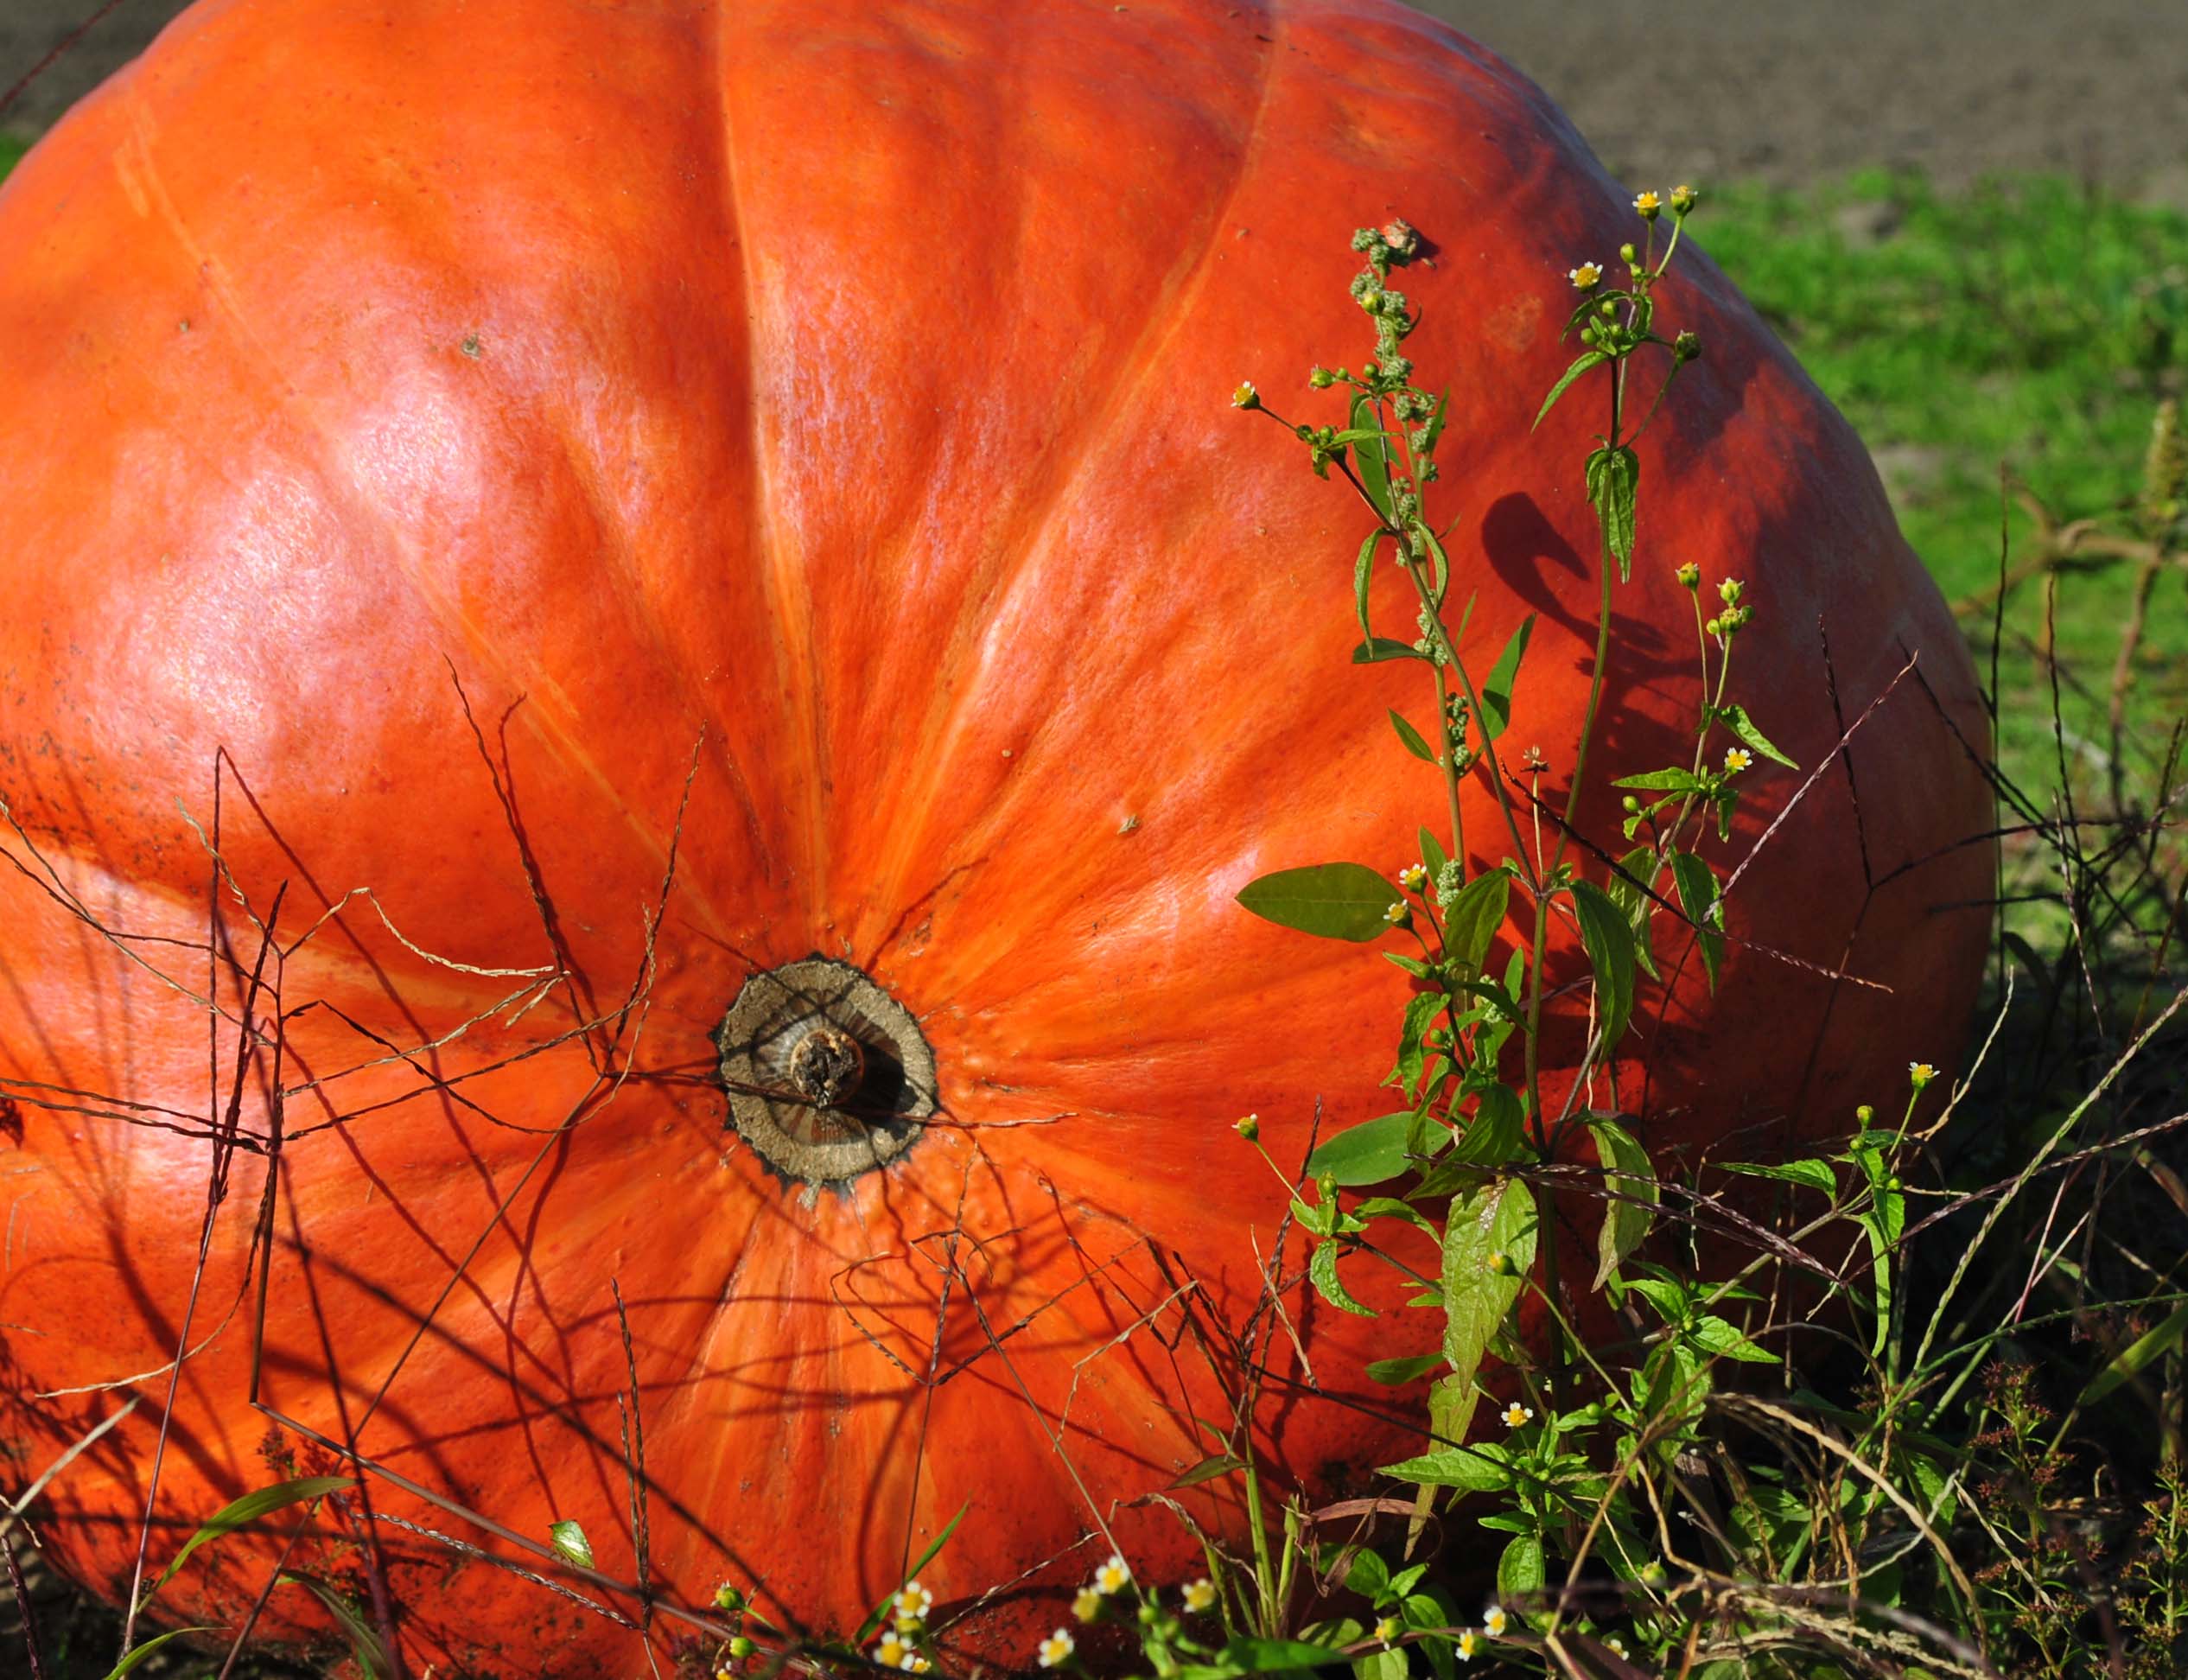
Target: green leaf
[1614,478]
[2132,1359]
[1377,649]
[1735,718]
[1367,440]
[1322,1269]
[1222,1464]
[1366,1154]
[1396,1372]
[149,1645]
[1484,1469]
[1629,892]
[1727,1340]
[1335,900]
[1411,738]
[241,1513]
[365,1642]
[1704,900]
[1493,1139]
[1368,1574]
[1677,781]
[880,1612]
[1278,1656]
[1586,360]
[570,1543]
[1361,570]
[1432,854]
[1519,1571]
[1627,1173]
[1435,427]
[1386,1665]
[1608,938]
[1421,1012]
[1816,1175]
[1497,687]
[1470,926]
[1488,1251]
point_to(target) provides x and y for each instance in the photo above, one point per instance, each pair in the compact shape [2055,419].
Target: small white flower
[1395,914]
[913,1603]
[1494,1621]
[1057,1648]
[1412,876]
[1617,1645]
[1113,1577]
[1517,1415]
[894,1651]
[1200,1596]
[1737,759]
[1921,1073]
[1586,276]
[1088,1605]
[1469,1643]
[1648,204]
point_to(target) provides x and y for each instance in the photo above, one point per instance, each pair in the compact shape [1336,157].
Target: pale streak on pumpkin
[1034,537]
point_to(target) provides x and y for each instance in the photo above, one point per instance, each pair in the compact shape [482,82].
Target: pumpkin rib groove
[790,619]
[1036,538]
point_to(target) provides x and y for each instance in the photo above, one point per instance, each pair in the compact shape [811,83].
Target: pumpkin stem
[828,1077]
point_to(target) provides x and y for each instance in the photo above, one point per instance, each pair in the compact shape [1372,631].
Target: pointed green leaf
[1410,737]
[1369,1153]
[2132,1359]
[1614,480]
[1396,1372]
[1488,1251]
[1322,1268]
[1377,649]
[1679,782]
[1335,900]
[1432,854]
[1630,1178]
[1362,568]
[1366,438]
[1816,1175]
[1609,940]
[1627,889]
[1519,1571]
[1473,1469]
[1470,924]
[1497,687]
[1735,718]
[241,1513]
[144,1651]
[366,1645]
[1702,901]
[1586,360]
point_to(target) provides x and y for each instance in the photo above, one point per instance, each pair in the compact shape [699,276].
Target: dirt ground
[1782,90]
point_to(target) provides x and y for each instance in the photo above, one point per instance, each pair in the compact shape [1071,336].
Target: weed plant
[1969,1464]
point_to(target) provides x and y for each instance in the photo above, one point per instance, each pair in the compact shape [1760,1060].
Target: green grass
[2022,321]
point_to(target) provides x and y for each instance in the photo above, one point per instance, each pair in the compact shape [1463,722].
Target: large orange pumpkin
[495,459]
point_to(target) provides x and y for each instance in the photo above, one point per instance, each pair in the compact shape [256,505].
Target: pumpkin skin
[814,424]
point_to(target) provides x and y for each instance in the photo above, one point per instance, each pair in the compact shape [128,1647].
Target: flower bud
[729,1598]
[1866,1115]
[1326,1186]
[1728,591]
[1689,576]
[1630,804]
[1686,347]
[740,1647]
[1245,397]
[1628,255]
[1248,1128]
[1684,198]
[1321,379]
